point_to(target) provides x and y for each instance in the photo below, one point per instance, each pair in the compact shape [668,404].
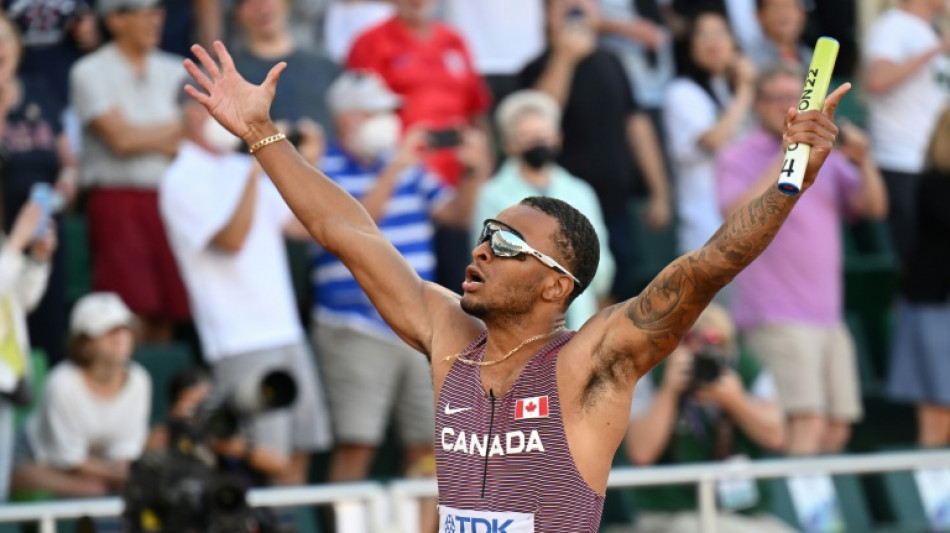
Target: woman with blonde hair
[920,359]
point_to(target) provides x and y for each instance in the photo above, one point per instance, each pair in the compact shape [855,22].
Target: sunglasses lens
[507,244]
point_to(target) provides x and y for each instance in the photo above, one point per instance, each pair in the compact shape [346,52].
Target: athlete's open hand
[238,105]
[815,128]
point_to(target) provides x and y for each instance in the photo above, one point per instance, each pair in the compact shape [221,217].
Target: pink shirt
[798,277]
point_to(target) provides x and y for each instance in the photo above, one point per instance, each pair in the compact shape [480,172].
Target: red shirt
[434,76]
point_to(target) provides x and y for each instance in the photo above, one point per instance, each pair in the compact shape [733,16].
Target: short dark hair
[185,379]
[575,238]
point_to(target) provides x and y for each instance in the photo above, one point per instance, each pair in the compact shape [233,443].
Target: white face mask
[376,136]
[218,137]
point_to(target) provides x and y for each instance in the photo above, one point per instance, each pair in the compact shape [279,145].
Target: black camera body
[184,489]
[708,364]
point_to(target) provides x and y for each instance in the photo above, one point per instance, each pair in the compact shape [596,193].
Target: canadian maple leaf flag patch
[536,407]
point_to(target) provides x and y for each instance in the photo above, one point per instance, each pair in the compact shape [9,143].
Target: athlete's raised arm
[334,218]
[644,330]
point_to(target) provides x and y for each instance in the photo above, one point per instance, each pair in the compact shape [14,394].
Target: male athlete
[529,415]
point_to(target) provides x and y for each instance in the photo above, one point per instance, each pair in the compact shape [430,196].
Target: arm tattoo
[671,302]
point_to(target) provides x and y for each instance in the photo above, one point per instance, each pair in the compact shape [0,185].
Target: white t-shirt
[241,301]
[502,35]
[901,121]
[72,424]
[688,113]
[744,21]
[345,21]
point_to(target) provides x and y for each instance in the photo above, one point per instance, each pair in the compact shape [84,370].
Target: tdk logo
[464,524]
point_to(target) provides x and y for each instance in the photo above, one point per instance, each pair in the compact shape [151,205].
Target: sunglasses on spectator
[505,242]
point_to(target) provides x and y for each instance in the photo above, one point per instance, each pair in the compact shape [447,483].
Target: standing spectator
[789,304]
[34,150]
[93,420]
[708,401]
[705,110]
[55,35]
[427,63]
[602,126]
[920,368]
[188,22]
[740,13]
[634,31]
[370,373]
[22,282]
[529,123]
[503,36]
[345,20]
[302,93]
[226,223]
[783,23]
[125,96]
[905,61]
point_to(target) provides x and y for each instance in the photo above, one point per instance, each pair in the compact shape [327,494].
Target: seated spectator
[706,109]
[125,94]
[529,123]
[920,366]
[783,23]
[188,390]
[22,282]
[707,402]
[226,223]
[34,150]
[788,304]
[93,420]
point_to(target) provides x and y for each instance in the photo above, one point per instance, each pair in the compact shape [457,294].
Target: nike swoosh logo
[450,411]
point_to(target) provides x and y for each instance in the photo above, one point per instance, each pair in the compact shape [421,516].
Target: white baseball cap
[99,312]
[361,91]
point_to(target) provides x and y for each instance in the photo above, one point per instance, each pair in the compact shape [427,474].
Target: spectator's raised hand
[574,42]
[724,392]
[679,371]
[744,71]
[658,213]
[42,249]
[474,152]
[25,225]
[411,148]
[238,105]
[854,142]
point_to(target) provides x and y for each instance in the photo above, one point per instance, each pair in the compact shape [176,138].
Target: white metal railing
[395,504]
[406,493]
[371,494]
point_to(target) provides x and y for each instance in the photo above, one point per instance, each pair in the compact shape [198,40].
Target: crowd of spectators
[652,117]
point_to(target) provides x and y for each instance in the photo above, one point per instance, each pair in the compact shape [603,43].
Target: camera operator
[707,402]
[187,391]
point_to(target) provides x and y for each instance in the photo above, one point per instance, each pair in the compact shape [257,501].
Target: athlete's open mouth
[473,279]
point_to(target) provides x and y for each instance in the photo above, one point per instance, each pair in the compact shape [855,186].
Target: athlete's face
[497,287]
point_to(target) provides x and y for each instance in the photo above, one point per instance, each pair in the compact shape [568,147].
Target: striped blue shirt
[406,223]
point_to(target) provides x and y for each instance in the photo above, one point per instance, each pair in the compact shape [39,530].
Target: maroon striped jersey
[503,461]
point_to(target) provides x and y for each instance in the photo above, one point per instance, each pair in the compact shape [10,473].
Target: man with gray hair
[529,122]
[370,373]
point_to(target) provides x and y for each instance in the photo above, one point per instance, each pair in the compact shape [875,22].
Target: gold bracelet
[266,140]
